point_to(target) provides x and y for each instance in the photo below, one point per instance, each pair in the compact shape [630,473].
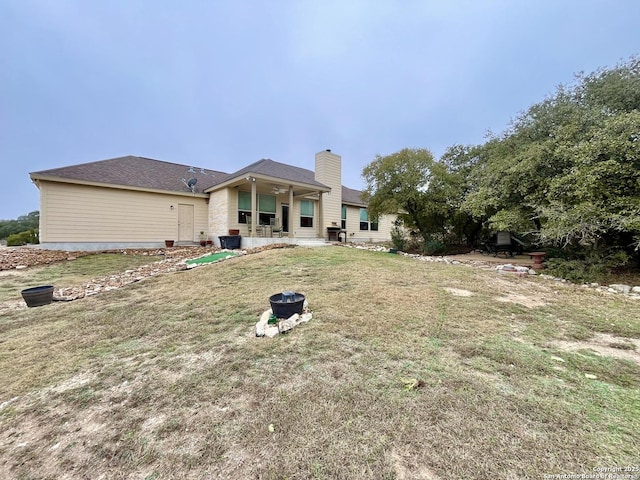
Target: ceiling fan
[277,189]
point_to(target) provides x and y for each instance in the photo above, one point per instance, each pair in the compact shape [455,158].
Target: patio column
[320,215]
[290,227]
[254,207]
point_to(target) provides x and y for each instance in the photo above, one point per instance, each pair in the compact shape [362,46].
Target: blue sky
[221,84]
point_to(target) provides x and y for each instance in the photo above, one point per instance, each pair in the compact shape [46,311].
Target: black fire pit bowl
[38,296]
[286,304]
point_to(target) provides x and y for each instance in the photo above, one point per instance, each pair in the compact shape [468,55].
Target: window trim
[364,219]
[368,224]
[309,218]
[263,215]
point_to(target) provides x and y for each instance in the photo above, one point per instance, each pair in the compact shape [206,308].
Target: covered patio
[269,202]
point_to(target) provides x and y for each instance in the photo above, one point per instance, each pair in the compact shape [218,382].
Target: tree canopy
[23,223]
[425,194]
[566,172]
[568,169]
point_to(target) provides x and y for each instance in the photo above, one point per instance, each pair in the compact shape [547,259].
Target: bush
[432,247]
[398,236]
[23,238]
[592,268]
[577,271]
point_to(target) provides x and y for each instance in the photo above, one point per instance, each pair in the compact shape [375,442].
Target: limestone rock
[621,288]
[635,290]
[289,323]
[261,326]
[271,331]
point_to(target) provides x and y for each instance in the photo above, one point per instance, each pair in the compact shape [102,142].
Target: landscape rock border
[520,271]
[174,261]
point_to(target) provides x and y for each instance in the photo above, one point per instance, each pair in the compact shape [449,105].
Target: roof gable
[276,170]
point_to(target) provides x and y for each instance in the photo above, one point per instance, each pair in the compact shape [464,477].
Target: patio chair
[248,217]
[504,243]
[275,226]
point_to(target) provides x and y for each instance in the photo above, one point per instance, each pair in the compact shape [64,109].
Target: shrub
[432,247]
[23,238]
[587,269]
[398,236]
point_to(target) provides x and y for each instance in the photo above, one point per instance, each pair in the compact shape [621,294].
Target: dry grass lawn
[408,370]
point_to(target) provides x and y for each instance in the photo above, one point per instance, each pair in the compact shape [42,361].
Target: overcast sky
[221,84]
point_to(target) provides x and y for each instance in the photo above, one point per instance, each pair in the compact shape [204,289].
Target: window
[343,223]
[365,224]
[266,207]
[364,219]
[306,213]
[244,206]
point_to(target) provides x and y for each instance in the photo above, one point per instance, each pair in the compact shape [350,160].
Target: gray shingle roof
[278,170]
[138,172]
[352,197]
[141,172]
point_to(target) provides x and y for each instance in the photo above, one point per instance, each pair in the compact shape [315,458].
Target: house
[137,202]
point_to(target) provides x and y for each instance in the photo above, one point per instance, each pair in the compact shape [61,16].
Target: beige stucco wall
[81,213]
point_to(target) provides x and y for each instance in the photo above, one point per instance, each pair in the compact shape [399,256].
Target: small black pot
[38,296]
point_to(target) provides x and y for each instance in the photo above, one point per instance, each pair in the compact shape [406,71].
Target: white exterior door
[185,223]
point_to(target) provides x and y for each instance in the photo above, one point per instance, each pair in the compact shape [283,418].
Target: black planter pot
[231,242]
[38,296]
[286,304]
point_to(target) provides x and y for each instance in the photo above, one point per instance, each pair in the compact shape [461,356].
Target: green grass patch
[214,257]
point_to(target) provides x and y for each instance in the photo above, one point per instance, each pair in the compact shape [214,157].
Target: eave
[45,178]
